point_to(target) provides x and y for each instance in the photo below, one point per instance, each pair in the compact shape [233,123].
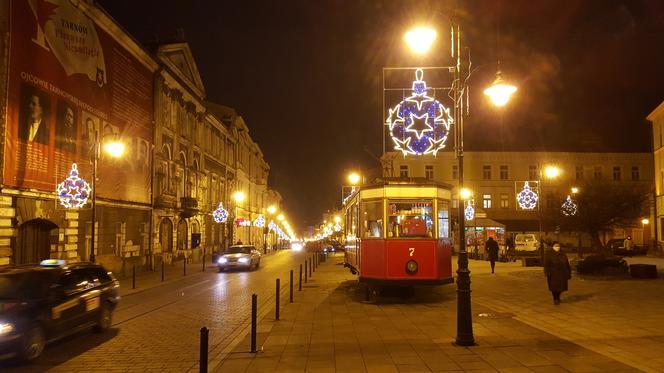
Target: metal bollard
[299,287]
[305,271]
[276,300]
[162,270]
[184,267]
[254,311]
[310,266]
[203,260]
[291,286]
[203,356]
[133,277]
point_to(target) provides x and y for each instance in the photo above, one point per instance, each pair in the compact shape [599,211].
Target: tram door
[34,240]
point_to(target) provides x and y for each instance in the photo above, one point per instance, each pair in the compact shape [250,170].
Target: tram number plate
[411,251]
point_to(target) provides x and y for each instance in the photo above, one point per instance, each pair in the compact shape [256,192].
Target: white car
[239,256]
[526,242]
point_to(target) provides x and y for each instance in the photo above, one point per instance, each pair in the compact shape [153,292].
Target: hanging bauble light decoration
[419,124]
[337,227]
[220,215]
[272,226]
[259,222]
[469,212]
[73,192]
[527,199]
[568,208]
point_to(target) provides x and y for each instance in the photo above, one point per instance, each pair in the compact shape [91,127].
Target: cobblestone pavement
[516,326]
[157,329]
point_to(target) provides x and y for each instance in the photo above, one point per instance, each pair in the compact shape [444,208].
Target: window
[428,172]
[579,172]
[532,172]
[410,219]
[504,172]
[403,170]
[372,219]
[597,172]
[616,173]
[74,281]
[504,201]
[443,220]
[455,172]
[486,172]
[635,173]
[486,201]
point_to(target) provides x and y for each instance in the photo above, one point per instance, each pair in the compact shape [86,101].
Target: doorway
[33,242]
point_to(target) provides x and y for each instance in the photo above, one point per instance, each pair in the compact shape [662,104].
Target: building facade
[495,179]
[657,120]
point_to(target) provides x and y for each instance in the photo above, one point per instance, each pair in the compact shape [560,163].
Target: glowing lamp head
[465,193]
[271,209]
[552,172]
[337,219]
[114,148]
[420,39]
[354,178]
[575,190]
[500,91]
[238,196]
[645,221]
[280,217]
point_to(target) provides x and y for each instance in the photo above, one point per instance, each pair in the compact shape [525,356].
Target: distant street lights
[420,40]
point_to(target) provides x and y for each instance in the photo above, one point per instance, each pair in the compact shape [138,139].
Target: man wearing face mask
[557,271]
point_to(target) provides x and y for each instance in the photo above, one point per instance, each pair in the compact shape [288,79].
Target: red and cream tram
[398,233]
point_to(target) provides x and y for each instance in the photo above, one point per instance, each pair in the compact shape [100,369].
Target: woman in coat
[492,249]
[557,270]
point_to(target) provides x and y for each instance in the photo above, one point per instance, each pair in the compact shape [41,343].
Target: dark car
[45,302]
[617,247]
[239,256]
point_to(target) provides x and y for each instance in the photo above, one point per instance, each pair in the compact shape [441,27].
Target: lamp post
[271,210]
[550,172]
[115,149]
[420,40]
[238,197]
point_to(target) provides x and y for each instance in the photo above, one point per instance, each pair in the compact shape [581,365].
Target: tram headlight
[411,267]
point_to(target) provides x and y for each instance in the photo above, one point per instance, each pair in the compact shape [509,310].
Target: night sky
[307,75]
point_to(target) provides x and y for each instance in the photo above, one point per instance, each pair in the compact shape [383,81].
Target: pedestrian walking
[557,271]
[492,249]
[627,243]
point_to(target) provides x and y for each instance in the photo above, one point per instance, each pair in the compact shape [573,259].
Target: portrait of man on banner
[33,116]
[65,127]
[90,126]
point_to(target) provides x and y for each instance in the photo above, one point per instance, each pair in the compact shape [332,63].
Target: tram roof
[403,188]
[406,182]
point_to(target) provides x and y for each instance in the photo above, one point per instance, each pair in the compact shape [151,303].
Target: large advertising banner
[71,83]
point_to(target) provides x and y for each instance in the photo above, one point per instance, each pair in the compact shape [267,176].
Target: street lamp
[550,172]
[115,149]
[420,41]
[354,178]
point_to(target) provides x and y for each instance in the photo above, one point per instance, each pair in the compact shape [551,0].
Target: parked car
[526,242]
[45,302]
[239,256]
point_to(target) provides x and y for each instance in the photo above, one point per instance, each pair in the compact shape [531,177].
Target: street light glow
[551,172]
[280,217]
[337,219]
[575,190]
[465,193]
[354,178]
[271,209]
[114,148]
[238,196]
[500,91]
[420,39]
[645,221]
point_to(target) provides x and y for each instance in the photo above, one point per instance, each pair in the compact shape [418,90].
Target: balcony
[165,201]
[188,207]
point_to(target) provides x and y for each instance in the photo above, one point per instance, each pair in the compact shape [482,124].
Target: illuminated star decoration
[569,207]
[469,212]
[419,124]
[337,227]
[259,222]
[73,192]
[527,199]
[220,215]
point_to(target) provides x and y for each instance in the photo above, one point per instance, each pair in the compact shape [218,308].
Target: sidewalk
[330,329]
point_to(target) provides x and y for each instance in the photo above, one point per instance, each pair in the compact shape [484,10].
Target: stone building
[657,120]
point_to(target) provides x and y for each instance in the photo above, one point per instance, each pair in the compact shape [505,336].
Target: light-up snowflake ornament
[337,227]
[259,222]
[73,192]
[419,124]
[220,215]
[527,199]
[568,208]
[469,211]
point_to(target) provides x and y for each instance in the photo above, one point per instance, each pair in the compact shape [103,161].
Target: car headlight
[222,260]
[244,260]
[6,328]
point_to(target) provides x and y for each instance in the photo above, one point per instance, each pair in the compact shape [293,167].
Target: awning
[520,225]
[484,222]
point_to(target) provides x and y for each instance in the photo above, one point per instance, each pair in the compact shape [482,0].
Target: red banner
[69,80]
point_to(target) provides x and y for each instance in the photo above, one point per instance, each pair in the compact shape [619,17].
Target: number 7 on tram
[398,234]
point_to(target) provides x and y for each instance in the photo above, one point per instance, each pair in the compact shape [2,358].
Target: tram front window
[410,219]
[372,219]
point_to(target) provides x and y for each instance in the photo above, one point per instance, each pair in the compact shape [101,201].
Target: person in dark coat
[492,249]
[557,271]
